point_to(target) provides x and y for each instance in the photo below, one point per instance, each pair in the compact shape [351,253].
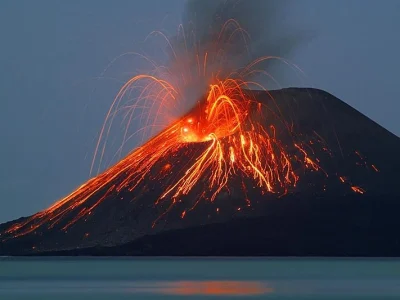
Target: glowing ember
[357,189]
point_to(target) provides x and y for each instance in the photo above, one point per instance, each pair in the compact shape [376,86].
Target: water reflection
[213,288]
[161,288]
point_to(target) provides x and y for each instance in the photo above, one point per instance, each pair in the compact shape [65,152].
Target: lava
[237,142]
[236,145]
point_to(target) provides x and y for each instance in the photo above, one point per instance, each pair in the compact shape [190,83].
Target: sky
[54,94]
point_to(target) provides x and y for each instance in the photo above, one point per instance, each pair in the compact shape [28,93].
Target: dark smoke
[202,20]
[262,19]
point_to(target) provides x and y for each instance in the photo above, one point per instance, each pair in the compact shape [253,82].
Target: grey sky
[53,104]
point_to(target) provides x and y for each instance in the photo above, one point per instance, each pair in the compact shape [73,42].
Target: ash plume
[262,32]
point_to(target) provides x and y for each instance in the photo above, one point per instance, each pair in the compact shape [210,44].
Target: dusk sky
[53,54]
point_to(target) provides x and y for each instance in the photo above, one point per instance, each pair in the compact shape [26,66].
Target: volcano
[323,183]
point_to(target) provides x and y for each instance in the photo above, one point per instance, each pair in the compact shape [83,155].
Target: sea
[198,278]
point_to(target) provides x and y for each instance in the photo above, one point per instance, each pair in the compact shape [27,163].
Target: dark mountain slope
[361,151]
[347,226]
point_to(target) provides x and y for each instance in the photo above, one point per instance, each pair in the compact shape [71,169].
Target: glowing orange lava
[234,144]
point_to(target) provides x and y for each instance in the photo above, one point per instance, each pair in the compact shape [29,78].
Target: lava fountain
[238,143]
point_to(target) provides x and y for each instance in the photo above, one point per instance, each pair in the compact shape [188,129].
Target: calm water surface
[198,278]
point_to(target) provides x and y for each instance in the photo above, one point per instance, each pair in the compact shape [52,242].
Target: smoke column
[263,34]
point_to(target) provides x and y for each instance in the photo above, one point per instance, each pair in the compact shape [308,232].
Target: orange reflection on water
[216,288]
